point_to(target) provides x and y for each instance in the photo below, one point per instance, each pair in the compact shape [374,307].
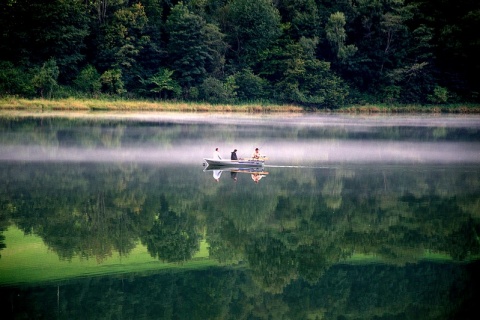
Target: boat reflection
[256,173]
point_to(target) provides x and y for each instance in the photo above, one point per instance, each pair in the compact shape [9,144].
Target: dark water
[115,216]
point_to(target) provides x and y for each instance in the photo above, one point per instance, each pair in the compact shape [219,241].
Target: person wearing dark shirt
[234,155]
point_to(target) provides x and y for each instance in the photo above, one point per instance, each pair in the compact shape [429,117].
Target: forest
[313,53]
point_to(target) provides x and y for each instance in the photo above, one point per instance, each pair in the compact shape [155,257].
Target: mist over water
[285,153]
[286,139]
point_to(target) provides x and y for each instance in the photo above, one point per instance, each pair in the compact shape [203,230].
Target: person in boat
[216,154]
[256,154]
[234,155]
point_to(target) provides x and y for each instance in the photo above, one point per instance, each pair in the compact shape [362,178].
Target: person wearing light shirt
[216,154]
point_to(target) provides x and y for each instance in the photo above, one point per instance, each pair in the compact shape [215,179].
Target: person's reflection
[256,176]
[233,175]
[217,174]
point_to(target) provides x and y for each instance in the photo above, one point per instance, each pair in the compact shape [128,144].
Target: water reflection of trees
[415,291]
[173,237]
[296,226]
[51,130]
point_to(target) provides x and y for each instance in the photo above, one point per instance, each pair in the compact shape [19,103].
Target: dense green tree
[455,46]
[216,48]
[153,52]
[112,82]
[187,49]
[45,79]
[336,35]
[301,18]
[123,39]
[161,84]
[88,80]
[398,51]
[250,86]
[251,27]
[35,31]
[15,81]
[216,91]
[309,81]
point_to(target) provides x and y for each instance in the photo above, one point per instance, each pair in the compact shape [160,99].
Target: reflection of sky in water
[271,134]
[293,119]
[294,153]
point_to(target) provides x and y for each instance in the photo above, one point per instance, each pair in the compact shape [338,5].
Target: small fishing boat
[241,163]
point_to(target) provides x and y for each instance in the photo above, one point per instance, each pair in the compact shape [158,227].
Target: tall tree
[122,40]
[337,36]
[154,52]
[45,79]
[35,31]
[457,46]
[307,80]
[192,46]
[252,26]
[301,18]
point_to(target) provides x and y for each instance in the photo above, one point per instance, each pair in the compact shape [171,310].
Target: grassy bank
[127,105]
[13,103]
[447,108]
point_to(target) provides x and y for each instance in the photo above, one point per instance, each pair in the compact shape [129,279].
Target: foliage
[188,51]
[251,26]
[373,46]
[122,39]
[250,86]
[36,31]
[309,81]
[335,30]
[88,80]
[439,95]
[301,18]
[45,78]
[162,83]
[112,81]
[14,81]
[216,91]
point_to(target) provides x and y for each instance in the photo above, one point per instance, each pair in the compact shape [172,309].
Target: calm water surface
[106,215]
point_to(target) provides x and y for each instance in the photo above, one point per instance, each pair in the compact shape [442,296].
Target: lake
[115,216]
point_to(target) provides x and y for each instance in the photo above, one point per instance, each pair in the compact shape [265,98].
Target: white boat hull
[234,163]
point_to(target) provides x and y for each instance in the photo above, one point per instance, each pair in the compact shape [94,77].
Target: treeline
[316,53]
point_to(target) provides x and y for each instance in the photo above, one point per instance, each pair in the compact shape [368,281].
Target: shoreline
[73,104]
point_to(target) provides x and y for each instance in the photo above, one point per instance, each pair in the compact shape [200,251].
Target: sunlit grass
[112,104]
[13,103]
[392,109]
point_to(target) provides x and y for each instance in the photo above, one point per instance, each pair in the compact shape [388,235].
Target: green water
[115,216]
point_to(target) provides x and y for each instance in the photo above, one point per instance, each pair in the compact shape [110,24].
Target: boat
[241,163]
